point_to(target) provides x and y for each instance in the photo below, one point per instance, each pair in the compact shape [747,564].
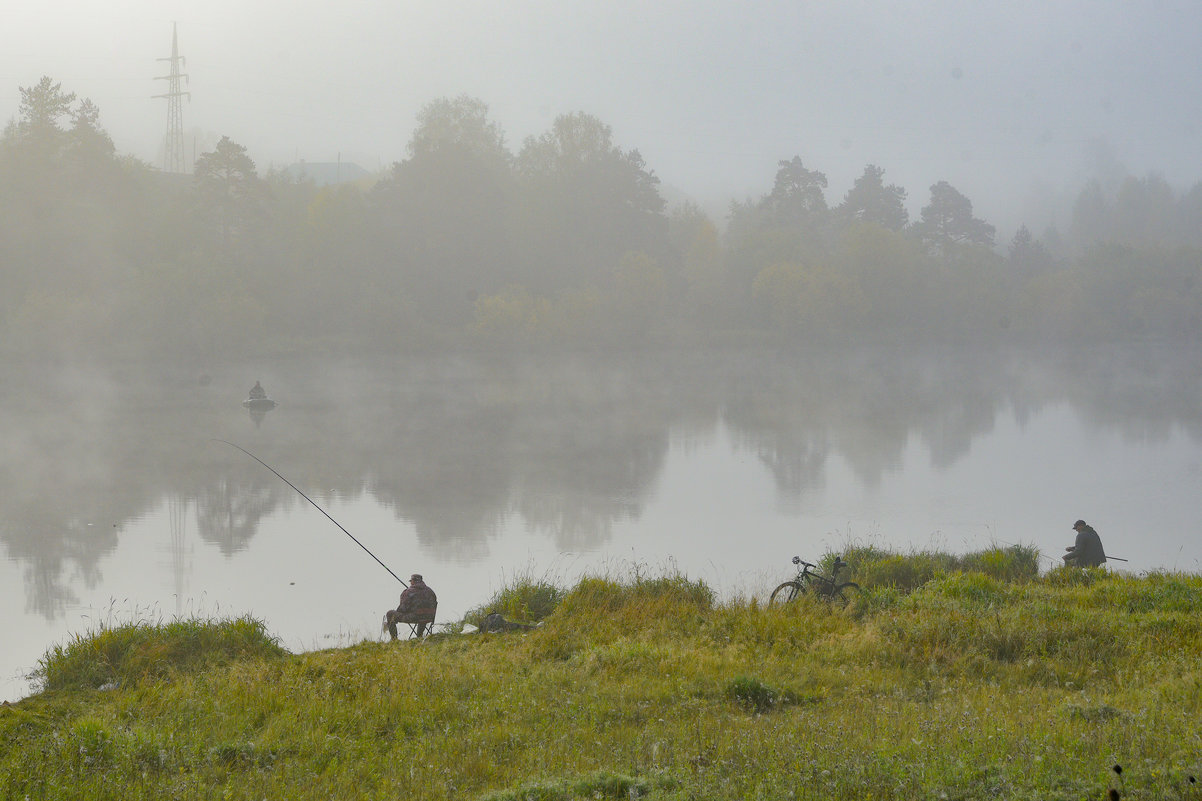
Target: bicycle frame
[808,579]
[809,575]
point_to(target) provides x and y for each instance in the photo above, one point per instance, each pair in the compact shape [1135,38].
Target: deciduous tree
[461,123]
[445,213]
[588,202]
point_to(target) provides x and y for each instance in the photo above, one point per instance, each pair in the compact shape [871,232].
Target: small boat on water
[259,404]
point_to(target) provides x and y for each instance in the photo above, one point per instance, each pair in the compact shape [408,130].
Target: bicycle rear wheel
[785,593]
[846,591]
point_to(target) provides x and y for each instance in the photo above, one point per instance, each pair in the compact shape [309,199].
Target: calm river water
[119,503]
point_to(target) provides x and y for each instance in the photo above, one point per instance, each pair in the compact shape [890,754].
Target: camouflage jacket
[417,598]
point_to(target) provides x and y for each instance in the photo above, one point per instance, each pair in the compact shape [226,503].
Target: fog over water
[120,504]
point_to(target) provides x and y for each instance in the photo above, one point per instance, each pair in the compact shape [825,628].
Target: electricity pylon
[173,154]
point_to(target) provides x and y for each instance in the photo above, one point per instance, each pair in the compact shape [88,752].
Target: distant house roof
[324,173]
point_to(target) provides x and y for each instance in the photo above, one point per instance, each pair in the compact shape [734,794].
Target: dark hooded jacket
[1086,551]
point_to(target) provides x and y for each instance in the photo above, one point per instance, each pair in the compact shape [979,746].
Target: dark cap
[416,577]
[1079,524]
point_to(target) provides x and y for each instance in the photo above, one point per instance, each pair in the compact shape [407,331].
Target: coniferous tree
[947,220]
[870,200]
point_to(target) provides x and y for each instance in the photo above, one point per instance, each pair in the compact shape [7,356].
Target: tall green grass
[131,652]
[875,567]
[525,599]
[976,683]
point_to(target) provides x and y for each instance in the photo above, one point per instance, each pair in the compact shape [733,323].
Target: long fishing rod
[315,506]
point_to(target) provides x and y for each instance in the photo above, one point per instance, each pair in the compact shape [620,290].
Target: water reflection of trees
[59,514]
[865,405]
[458,448]
[568,451]
[583,468]
[228,511]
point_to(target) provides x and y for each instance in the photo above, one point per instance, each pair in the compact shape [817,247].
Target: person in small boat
[1086,550]
[417,605]
[257,392]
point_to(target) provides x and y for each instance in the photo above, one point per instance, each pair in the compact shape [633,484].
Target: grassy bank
[948,677]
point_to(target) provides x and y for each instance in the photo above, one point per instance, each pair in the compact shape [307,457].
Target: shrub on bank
[129,653]
[874,567]
[524,600]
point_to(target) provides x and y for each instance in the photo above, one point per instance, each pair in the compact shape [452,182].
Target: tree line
[565,241]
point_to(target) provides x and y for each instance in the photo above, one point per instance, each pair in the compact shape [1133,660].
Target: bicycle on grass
[808,579]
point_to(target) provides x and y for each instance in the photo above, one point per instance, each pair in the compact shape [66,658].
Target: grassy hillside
[947,677]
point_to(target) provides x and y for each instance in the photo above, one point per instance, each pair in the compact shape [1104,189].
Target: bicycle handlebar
[839,563]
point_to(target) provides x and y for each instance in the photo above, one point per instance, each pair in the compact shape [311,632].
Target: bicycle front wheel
[785,593]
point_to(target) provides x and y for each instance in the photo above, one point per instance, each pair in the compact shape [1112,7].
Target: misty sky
[1014,103]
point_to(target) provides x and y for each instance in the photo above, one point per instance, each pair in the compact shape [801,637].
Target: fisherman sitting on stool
[417,606]
[1086,551]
